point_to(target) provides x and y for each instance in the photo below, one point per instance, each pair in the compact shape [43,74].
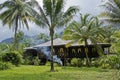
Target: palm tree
[16,13]
[108,34]
[43,36]
[53,16]
[112,11]
[84,31]
[56,36]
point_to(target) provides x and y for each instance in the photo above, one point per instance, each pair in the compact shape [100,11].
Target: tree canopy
[111,12]
[16,15]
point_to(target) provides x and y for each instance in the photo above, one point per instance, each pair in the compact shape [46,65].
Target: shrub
[95,63]
[14,57]
[104,62]
[36,61]
[48,63]
[114,62]
[30,60]
[80,63]
[5,65]
[76,62]
[110,61]
[27,61]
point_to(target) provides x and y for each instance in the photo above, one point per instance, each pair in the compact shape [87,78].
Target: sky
[86,6]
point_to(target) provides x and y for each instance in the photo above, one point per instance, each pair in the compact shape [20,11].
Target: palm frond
[58,7]
[7,4]
[70,11]
[112,11]
[48,7]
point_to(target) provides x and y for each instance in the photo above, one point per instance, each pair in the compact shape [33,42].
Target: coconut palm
[84,31]
[112,11]
[16,13]
[53,16]
[108,34]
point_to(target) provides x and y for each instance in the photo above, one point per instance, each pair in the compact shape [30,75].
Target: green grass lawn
[66,73]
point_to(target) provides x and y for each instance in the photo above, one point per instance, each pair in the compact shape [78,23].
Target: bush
[114,62]
[104,62]
[27,61]
[48,63]
[80,63]
[110,61]
[96,63]
[13,57]
[5,65]
[76,62]
[36,61]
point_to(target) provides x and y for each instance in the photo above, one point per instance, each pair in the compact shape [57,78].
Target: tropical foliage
[16,15]
[109,34]
[76,62]
[43,36]
[112,11]
[87,30]
[14,57]
[5,65]
[53,16]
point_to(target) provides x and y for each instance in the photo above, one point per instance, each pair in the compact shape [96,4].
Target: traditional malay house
[73,51]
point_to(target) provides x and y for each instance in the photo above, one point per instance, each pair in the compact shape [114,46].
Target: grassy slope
[67,73]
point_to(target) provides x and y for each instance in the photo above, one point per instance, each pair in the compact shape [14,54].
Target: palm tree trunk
[15,46]
[52,63]
[86,53]
[15,40]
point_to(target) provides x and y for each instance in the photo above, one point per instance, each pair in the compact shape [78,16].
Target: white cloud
[5,32]
[86,6]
